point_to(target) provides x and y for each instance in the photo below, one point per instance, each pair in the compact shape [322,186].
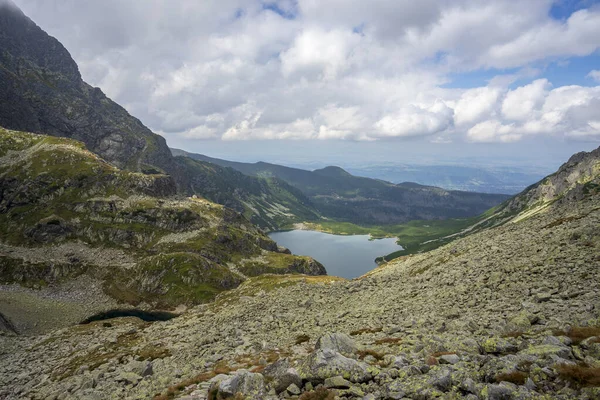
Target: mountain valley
[130,270]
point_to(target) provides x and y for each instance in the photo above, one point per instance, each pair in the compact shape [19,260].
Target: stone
[293,389]
[442,380]
[543,297]
[128,377]
[548,350]
[497,345]
[449,359]
[282,375]
[337,382]
[496,392]
[323,364]
[247,384]
[395,390]
[338,342]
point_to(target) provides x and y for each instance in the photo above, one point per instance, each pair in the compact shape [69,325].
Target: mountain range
[338,195]
[129,272]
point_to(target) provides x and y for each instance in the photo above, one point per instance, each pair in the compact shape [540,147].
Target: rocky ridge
[69,219]
[510,312]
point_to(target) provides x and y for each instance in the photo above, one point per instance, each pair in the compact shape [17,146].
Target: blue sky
[456,78]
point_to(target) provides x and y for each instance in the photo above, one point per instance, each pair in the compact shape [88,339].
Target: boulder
[497,345]
[337,382]
[282,375]
[323,364]
[338,342]
[249,385]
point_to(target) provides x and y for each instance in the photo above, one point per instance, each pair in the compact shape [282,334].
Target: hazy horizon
[392,82]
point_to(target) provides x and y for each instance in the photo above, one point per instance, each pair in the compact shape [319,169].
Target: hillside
[269,203]
[43,92]
[509,312]
[339,195]
[87,236]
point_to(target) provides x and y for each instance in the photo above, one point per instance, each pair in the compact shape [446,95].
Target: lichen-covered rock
[323,364]
[281,375]
[338,342]
[497,345]
[249,385]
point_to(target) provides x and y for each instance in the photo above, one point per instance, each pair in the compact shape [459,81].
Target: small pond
[345,256]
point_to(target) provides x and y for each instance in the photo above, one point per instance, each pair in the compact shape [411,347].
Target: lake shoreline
[348,256]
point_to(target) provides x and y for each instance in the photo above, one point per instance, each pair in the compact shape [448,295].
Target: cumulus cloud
[595,75]
[333,69]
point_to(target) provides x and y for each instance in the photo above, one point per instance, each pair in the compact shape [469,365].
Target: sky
[346,80]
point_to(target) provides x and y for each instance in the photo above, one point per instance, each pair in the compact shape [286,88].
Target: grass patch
[302,339]
[365,330]
[516,377]
[581,374]
[579,334]
[388,340]
[319,393]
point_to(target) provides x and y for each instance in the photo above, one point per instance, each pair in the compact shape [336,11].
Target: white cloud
[324,53]
[520,103]
[595,75]
[416,120]
[476,104]
[493,131]
[332,69]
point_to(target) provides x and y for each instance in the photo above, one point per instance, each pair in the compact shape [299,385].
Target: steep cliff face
[66,214]
[42,92]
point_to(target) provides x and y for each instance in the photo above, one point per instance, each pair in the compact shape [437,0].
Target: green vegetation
[413,236]
[164,250]
[339,196]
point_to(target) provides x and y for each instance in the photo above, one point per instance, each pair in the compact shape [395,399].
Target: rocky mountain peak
[26,43]
[42,92]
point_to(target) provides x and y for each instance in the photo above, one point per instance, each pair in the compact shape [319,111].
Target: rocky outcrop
[66,214]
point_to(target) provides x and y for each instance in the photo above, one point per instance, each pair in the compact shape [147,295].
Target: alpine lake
[347,256]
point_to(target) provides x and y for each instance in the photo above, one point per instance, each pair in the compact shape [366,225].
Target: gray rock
[496,392]
[323,364]
[338,342]
[282,375]
[337,382]
[293,389]
[395,390]
[497,345]
[442,380]
[250,385]
[449,359]
[128,377]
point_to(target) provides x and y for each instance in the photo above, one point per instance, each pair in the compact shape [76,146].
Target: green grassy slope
[155,246]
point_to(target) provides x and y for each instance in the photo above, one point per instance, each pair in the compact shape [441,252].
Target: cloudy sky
[237,77]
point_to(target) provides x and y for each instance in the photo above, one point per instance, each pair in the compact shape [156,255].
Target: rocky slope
[73,224]
[43,92]
[510,312]
[339,195]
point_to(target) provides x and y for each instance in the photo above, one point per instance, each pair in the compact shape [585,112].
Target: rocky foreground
[507,313]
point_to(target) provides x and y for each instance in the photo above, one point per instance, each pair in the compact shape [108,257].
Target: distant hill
[337,194]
